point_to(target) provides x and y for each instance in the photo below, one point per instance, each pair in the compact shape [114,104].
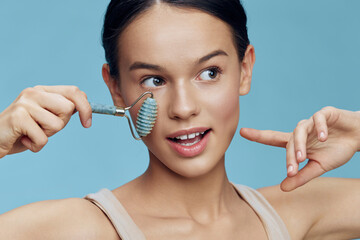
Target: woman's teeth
[190,144]
[189,136]
[189,139]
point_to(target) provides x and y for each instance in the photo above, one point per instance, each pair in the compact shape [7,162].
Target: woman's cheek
[225,114]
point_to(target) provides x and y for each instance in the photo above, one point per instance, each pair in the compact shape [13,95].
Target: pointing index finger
[267,137]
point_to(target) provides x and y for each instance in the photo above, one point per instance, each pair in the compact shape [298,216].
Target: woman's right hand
[38,113]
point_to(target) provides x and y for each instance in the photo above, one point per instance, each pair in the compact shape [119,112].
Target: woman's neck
[203,198]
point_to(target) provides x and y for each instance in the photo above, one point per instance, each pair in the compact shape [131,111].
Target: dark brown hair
[120,13]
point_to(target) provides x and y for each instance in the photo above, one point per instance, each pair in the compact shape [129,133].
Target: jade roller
[145,118]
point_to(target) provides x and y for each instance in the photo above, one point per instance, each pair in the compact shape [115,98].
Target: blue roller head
[146,117]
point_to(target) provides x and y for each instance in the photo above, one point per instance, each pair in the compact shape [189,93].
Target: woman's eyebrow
[142,65]
[211,55]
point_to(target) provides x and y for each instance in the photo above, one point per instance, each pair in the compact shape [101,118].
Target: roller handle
[103,109]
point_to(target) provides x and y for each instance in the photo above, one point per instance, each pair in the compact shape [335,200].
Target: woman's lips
[192,146]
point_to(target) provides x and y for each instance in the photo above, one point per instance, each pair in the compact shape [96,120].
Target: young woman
[184,52]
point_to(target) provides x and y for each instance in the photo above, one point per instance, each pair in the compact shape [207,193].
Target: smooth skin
[328,139]
[192,195]
[37,114]
[328,209]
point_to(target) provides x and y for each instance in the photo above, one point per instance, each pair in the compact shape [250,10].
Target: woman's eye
[209,74]
[153,82]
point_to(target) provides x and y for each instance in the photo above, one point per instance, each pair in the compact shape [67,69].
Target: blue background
[307,58]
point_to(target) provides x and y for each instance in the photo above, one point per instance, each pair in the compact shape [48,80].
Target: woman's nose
[183,102]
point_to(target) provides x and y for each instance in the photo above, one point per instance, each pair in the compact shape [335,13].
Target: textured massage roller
[145,118]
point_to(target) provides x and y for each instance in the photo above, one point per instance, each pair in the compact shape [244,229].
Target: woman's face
[187,58]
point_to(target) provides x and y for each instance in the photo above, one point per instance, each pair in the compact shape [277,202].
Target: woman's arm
[35,115]
[70,219]
[324,208]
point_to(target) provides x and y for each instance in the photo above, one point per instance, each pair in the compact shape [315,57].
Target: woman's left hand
[328,139]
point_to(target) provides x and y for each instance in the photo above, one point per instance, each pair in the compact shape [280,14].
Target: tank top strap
[273,224]
[115,211]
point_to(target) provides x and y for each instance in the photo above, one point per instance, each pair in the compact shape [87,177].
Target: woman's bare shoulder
[72,218]
[312,192]
[302,208]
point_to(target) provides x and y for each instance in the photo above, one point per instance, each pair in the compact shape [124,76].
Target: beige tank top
[128,230]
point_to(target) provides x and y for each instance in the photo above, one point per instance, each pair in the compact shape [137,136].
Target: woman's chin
[195,168]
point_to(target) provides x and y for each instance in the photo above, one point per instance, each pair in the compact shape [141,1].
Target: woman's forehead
[165,32]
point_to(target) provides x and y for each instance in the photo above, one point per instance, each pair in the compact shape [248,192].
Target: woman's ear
[113,86]
[247,65]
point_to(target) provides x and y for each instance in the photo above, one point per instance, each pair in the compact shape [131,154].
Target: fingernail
[290,168]
[88,123]
[298,155]
[322,135]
